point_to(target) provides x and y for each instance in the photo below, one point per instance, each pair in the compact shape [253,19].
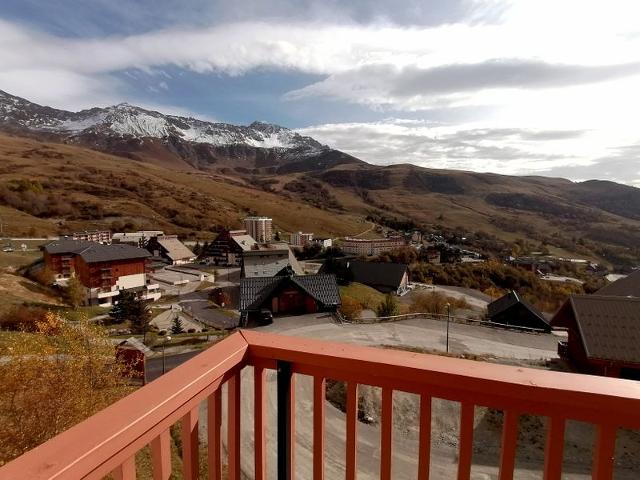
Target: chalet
[268,260]
[604,334]
[628,286]
[513,310]
[170,249]
[228,247]
[385,277]
[133,353]
[104,270]
[289,294]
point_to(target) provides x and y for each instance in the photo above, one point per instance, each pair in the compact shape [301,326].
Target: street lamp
[448,320]
[166,339]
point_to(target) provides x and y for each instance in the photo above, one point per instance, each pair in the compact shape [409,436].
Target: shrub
[21,318]
[388,307]
[350,308]
[436,303]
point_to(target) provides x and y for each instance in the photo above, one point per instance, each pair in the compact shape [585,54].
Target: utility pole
[448,320]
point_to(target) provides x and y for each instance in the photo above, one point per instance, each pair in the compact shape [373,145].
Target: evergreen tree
[176,325]
[140,317]
[121,311]
[137,312]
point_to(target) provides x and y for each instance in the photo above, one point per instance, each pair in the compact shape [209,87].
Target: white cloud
[511,151]
[543,66]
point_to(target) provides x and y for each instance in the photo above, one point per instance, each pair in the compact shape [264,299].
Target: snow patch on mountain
[133,121]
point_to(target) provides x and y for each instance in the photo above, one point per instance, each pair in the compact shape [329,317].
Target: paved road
[154,365]
[197,304]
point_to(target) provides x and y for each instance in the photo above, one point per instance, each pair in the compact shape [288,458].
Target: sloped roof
[269,263]
[254,291]
[509,300]
[92,252]
[175,249]
[628,286]
[378,273]
[245,242]
[107,253]
[137,344]
[66,246]
[609,326]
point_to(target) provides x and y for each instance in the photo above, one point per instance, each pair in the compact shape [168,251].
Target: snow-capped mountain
[129,121]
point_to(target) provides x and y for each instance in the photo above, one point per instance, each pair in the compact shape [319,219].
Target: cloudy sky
[548,87]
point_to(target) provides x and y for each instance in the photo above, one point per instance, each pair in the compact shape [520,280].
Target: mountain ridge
[603,215]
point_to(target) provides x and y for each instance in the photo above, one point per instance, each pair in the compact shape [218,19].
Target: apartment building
[259,228]
[300,239]
[104,270]
[98,236]
[368,247]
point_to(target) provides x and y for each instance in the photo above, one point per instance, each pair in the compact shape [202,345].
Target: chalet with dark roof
[228,247]
[290,294]
[385,277]
[604,334]
[628,286]
[513,310]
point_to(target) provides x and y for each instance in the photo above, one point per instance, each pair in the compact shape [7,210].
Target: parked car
[7,248]
[265,317]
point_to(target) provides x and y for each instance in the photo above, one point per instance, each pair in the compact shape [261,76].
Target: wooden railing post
[386,439]
[319,392]
[161,455]
[190,457]
[126,471]
[424,454]
[352,430]
[554,449]
[233,426]
[259,427]
[509,444]
[604,452]
[465,447]
[214,422]
[286,425]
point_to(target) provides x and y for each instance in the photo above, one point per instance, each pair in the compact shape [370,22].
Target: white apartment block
[300,239]
[366,247]
[98,236]
[259,228]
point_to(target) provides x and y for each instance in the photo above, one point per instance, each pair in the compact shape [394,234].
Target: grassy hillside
[48,188]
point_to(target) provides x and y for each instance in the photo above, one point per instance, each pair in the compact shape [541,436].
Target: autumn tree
[52,379]
[74,292]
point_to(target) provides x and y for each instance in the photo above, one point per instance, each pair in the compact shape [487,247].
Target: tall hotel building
[259,228]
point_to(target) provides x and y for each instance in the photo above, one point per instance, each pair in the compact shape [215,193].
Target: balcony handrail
[529,390]
[109,440]
[95,447]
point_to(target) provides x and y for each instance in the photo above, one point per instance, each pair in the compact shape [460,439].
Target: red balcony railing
[108,441]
